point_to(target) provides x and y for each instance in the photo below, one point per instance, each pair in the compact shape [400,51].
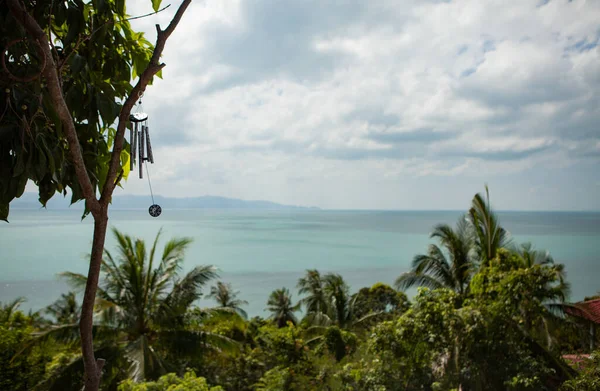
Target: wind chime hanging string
[139,140]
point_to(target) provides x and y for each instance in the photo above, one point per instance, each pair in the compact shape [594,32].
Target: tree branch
[99,209]
[152,69]
[55,90]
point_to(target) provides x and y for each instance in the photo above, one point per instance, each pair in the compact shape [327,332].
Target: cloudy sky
[400,104]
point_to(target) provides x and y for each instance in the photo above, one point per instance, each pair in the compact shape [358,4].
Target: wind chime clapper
[141,151]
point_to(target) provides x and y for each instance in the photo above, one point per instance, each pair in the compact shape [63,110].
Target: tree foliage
[450,268]
[97,54]
[170,382]
[281,307]
[227,298]
[487,325]
[143,297]
[589,378]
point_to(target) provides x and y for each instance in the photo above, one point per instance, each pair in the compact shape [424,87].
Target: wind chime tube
[141,153]
[148,145]
[131,149]
[134,142]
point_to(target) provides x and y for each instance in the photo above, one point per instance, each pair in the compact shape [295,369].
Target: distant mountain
[30,201]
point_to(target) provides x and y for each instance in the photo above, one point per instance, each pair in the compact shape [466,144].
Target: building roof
[589,310]
[576,361]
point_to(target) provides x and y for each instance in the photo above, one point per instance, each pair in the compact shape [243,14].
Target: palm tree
[9,309]
[142,298]
[339,296]
[327,328]
[451,268]
[529,257]
[489,235]
[340,305]
[65,310]
[226,297]
[312,285]
[552,296]
[281,307]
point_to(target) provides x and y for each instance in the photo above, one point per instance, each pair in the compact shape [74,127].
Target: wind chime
[139,139]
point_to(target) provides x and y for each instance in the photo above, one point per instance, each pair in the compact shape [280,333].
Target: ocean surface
[260,250]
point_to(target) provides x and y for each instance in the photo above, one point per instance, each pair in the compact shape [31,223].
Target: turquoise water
[258,251]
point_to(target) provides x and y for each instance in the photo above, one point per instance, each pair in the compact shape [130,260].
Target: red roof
[589,310]
[576,360]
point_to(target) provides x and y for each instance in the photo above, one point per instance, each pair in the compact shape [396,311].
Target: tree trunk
[98,208]
[93,367]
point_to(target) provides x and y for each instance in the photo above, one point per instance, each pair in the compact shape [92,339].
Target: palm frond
[436,265]
[410,279]
[315,333]
[68,375]
[193,342]
[318,319]
[367,317]
[76,280]
[66,334]
[174,250]
[183,294]
[65,310]
[240,311]
[490,235]
[7,310]
[281,307]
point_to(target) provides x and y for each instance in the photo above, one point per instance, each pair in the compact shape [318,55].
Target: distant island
[30,201]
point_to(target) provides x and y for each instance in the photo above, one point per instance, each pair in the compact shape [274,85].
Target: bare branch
[150,14]
[93,367]
[66,59]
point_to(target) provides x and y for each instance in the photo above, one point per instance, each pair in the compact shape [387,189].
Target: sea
[258,251]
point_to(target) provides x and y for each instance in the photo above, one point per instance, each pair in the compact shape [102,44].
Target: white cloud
[327,103]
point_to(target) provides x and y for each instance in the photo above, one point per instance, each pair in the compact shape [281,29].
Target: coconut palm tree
[143,300]
[311,285]
[529,257]
[450,266]
[340,299]
[226,297]
[341,319]
[281,307]
[340,305]
[553,295]
[65,310]
[489,235]
[9,309]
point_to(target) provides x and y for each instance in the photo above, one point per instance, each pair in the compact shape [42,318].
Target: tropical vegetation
[67,82]
[487,314]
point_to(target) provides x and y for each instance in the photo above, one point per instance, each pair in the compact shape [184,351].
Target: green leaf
[20,166]
[125,164]
[46,188]
[102,6]
[76,24]
[77,63]
[120,4]
[156,4]
[86,211]
[76,193]
[21,184]
[108,109]
[4,212]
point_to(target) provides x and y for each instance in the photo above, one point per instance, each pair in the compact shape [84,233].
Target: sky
[400,104]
